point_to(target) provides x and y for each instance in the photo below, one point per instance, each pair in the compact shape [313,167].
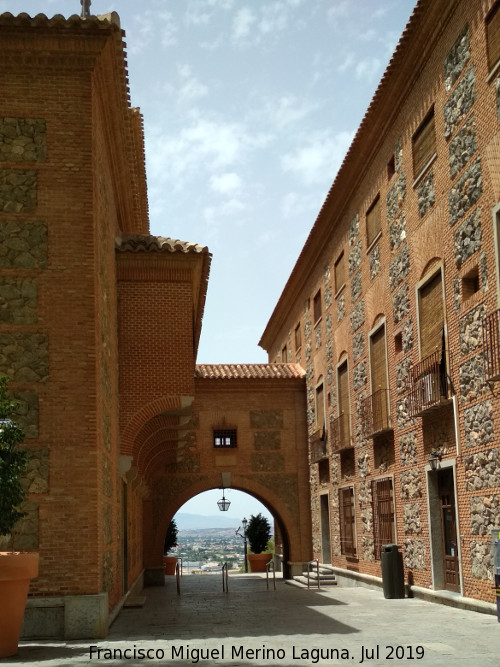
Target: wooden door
[378,371]
[446,490]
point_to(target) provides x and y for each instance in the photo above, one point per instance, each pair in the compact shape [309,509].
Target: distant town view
[204,549]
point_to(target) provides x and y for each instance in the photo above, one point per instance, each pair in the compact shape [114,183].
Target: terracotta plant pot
[170,562]
[258,562]
[16,570]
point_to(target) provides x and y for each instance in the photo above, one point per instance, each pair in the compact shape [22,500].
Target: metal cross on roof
[85,7]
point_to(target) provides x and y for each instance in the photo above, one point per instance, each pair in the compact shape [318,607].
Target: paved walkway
[290,627]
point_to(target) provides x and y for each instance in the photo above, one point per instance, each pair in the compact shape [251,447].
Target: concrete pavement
[290,627]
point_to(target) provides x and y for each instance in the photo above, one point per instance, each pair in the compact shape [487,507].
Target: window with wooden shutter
[431,316]
[373,222]
[378,374]
[339,273]
[383,513]
[424,144]
[317,306]
[493,36]
[347,522]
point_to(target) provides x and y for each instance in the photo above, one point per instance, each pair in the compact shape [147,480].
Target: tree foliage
[13,461]
[258,533]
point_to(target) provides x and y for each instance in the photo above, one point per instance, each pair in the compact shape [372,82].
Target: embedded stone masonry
[461,100]
[399,268]
[353,229]
[472,384]
[359,375]
[17,190]
[358,316]
[407,335]
[397,231]
[411,484]
[426,194]
[356,287]
[484,514]
[18,300]
[402,375]
[22,140]
[468,237]
[272,419]
[23,245]
[481,560]
[375,261]
[414,554]
[354,260]
[482,470]
[341,307]
[27,412]
[358,346]
[24,357]
[457,58]
[411,518]
[478,424]
[401,303]
[466,191]
[462,147]
[396,196]
[471,329]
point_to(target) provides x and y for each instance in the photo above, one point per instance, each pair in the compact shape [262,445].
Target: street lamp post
[244,536]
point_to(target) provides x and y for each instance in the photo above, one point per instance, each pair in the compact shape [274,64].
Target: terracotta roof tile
[248,371]
[146,243]
[57,21]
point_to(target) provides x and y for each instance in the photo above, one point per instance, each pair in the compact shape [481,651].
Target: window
[379,384]
[347,522]
[424,144]
[493,36]
[317,306]
[398,342]
[343,426]
[224,438]
[320,408]
[383,513]
[284,355]
[373,222]
[298,337]
[339,271]
[431,316]
[470,283]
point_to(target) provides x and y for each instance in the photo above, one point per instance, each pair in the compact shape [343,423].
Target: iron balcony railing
[340,432]
[375,415]
[491,344]
[318,446]
[428,384]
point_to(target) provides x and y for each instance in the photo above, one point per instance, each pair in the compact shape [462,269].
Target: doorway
[443,523]
[326,547]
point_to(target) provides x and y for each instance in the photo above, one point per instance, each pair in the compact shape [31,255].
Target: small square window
[317,306]
[470,283]
[398,342]
[224,438]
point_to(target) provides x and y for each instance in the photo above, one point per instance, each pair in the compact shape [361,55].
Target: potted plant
[258,533]
[170,543]
[16,568]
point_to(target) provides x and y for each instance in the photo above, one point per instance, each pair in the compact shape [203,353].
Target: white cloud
[225,183]
[149,27]
[191,89]
[338,11]
[319,158]
[287,110]
[242,23]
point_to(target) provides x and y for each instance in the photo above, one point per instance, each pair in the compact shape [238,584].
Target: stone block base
[68,617]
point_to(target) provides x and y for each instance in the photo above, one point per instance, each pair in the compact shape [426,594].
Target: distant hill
[200,522]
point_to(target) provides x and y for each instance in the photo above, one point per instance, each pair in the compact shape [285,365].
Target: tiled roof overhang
[249,371]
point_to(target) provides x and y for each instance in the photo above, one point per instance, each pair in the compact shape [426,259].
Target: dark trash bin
[393,582]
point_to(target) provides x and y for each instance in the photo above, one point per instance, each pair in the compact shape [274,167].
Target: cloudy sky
[249,108]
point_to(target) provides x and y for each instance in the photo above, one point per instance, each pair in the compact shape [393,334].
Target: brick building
[392,310]
[99,330]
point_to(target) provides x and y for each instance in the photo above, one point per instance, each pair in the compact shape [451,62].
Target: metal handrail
[178,577]
[309,563]
[225,578]
[270,565]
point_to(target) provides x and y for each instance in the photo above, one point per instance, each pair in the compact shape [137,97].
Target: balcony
[491,344]
[340,432]
[375,413]
[318,446]
[428,385]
